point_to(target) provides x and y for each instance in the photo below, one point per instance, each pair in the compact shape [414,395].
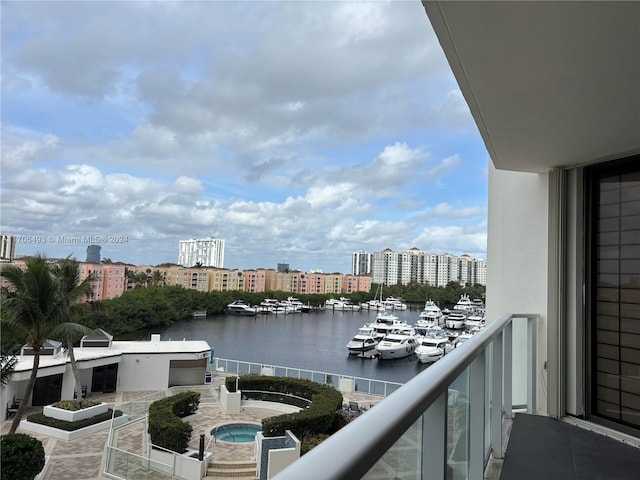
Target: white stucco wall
[517,260]
[143,372]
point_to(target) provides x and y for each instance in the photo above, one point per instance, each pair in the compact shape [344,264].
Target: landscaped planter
[74,416]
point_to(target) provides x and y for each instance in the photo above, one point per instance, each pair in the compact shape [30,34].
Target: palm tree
[35,307]
[73,289]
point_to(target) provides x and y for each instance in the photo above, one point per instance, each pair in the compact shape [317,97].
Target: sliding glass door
[613,242]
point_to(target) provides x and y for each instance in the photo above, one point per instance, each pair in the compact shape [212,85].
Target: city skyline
[298,132]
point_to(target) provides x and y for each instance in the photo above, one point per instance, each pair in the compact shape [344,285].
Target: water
[312,341]
[236,432]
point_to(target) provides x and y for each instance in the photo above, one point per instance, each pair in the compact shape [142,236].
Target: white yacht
[342,304]
[431,315]
[375,305]
[363,341]
[292,304]
[433,348]
[238,307]
[456,320]
[387,322]
[270,305]
[464,305]
[392,303]
[397,345]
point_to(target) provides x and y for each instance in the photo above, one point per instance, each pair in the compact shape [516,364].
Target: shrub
[22,456]
[316,419]
[166,428]
[67,426]
[74,405]
[311,442]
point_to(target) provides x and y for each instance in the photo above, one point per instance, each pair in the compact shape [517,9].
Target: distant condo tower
[93,253]
[7,247]
[283,267]
[208,252]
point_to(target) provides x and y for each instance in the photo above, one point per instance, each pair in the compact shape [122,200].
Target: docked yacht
[464,305]
[432,348]
[342,304]
[292,304]
[431,315]
[397,345]
[270,305]
[238,307]
[387,322]
[363,341]
[392,303]
[456,320]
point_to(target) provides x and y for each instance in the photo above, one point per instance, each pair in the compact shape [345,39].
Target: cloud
[291,129]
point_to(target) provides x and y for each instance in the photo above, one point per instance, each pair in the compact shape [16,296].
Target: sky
[299,132]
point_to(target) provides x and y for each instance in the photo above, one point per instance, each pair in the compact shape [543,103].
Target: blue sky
[300,132]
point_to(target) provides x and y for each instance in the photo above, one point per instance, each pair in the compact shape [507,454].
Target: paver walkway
[83,459]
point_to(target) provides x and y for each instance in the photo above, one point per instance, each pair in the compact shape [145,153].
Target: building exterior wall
[517,250]
[114,281]
[207,251]
[361,263]
[7,247]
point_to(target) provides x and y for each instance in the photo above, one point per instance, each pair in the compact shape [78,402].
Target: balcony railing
[443,424]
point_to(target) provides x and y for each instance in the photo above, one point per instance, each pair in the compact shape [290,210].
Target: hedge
[22,456]
[313,420]
[166,428]
[67,426]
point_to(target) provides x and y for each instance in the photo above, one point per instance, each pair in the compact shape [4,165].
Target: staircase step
[231,470]
[231,465]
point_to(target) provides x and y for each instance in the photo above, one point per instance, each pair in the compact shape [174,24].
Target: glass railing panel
[458,427]
[133,467]
[404,458]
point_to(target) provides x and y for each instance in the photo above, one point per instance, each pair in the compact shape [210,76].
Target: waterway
[313,341]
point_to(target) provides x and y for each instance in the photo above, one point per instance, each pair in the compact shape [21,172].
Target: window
[614,293]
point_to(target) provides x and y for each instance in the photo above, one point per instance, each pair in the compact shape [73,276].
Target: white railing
[360,384]
[444,423]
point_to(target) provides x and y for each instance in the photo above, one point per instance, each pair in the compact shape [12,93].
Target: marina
[315,341]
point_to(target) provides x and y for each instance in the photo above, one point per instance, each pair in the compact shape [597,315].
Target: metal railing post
[508,370]
[477,399]
[496,396]
[531,365]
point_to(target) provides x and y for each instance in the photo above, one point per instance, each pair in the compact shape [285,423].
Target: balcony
[453,422]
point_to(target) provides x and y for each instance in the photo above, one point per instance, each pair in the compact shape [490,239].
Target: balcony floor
[544,448]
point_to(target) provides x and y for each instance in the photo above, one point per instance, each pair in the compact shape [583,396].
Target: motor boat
[430,316]
[292,304]
[238,307]
[455,320]
[270,305]
[364,341]
[342,304]
[386,322]
[433,348]
[475,319]
[397,345]
[464,305]
[392,303]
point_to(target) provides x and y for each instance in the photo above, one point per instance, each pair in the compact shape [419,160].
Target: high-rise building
[7,247]
[389,267]
[207,252]
[361,263]
[93,253]
[283,267]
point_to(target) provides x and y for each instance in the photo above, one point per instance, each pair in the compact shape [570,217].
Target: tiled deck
[83,459]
